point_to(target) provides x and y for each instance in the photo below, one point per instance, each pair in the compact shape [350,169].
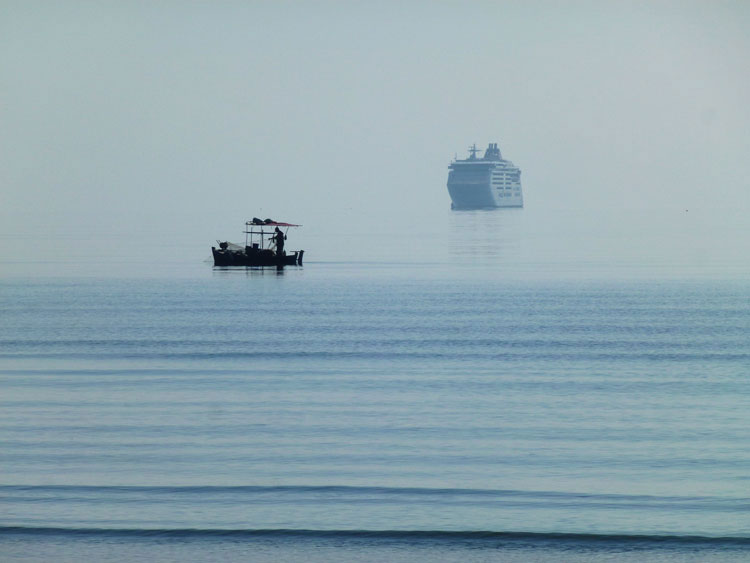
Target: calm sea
[512,401]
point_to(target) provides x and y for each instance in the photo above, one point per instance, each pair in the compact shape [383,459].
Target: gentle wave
[202,489]
[406,535]
[577,355]
[340,493]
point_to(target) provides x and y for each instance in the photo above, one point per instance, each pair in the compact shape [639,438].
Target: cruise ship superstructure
[489,181]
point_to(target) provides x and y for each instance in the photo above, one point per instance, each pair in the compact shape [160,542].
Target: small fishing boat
[264,246]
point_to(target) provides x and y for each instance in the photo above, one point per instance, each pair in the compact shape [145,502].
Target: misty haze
[560,378]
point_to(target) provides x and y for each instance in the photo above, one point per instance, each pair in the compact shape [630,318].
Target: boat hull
[255,257]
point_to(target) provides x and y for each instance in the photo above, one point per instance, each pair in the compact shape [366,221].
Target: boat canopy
[269,222]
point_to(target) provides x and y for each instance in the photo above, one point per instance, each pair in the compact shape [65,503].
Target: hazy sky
[190,117]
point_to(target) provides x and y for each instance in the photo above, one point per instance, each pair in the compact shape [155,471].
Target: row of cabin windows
[465,176]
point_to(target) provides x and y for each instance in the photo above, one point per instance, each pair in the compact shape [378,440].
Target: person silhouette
[279,237]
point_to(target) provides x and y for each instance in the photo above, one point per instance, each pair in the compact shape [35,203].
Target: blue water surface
[375,410]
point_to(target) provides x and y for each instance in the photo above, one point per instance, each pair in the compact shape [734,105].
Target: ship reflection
[485,235]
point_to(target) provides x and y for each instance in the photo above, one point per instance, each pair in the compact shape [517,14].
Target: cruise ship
[490,181]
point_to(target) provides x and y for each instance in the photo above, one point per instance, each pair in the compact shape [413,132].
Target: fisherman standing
[279,238]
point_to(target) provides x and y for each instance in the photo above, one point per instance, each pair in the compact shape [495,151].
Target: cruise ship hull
[465,196]
[481,183]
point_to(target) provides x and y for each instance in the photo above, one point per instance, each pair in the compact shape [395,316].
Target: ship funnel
[492,152]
